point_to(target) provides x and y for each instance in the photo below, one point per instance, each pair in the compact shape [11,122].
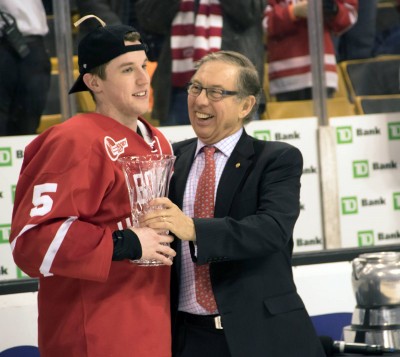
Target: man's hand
[170,218]
[300,9]
[155,246]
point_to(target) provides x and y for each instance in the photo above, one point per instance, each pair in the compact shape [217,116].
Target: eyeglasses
[214,94]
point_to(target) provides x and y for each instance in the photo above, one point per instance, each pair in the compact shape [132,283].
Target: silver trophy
[376,284]
[147,177]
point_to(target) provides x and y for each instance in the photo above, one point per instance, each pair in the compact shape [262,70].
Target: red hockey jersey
[70,197]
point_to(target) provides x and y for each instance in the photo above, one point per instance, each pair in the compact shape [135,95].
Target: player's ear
[92,82]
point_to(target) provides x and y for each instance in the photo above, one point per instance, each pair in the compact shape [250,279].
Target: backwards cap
[101,46]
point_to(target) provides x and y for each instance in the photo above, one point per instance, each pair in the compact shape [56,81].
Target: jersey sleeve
[345,18]
[278,21]
[60,190]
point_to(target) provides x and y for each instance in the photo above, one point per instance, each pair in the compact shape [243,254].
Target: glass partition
[346,68]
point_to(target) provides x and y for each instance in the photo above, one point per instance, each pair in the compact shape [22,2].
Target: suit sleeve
[262,220]
[59,190]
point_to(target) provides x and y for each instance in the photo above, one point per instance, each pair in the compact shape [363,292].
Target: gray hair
[248,81]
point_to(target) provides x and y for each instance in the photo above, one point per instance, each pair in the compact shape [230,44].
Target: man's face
[213,121]
[124,93]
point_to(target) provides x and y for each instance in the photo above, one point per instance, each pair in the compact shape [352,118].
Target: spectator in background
[288,53]
[25,67]
[115,12]
[387,41]
[358,42]
[193,28]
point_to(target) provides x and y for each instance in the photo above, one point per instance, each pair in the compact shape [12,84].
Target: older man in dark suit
[234,203]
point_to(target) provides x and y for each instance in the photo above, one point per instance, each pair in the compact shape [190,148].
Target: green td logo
[365,238]
[5,157]
[360,169]
[5,230]
[394,131]
[13,187]
[349,205]
[21,274]
[262,135]
[396,201]
[344,135]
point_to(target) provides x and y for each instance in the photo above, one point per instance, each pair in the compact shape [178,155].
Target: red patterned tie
[204,208]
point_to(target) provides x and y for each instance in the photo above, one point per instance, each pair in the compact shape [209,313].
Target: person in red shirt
[288,53]
[71,223]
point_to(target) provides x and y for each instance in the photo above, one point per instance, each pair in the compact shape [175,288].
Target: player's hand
[155,246]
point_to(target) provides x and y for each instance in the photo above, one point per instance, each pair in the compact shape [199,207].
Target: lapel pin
[237,165]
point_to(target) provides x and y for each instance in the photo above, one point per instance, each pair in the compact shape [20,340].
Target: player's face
[213,121]
[125,90]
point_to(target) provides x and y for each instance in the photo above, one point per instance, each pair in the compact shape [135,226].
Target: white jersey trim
[26,228]
[55,246]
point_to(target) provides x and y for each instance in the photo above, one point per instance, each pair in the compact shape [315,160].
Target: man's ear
[92,82]
[247,106]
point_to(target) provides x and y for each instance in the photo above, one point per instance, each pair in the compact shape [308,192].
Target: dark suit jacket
[249,247]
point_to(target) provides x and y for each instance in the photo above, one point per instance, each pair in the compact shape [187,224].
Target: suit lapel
[183,163]
[234,171]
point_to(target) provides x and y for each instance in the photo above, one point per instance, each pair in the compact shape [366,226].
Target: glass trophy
[147,177]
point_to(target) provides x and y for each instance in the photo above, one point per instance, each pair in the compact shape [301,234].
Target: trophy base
[375,326]
[147,263]
[386,338]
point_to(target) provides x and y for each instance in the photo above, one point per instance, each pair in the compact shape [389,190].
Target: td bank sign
[394,131]
[345,134]
[351,204]
[365,238]
[361,168]
[5,156]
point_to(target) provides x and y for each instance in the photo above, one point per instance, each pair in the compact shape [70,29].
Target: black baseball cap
[101,46]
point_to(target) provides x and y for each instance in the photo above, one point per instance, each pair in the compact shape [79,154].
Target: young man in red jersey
[71,223]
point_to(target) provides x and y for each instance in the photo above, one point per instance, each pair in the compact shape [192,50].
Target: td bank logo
[360,169]
[262,135]
[21,274]
[396,201]
[5,230]
[13,187]
[365,238]
[344,135]
[349,205]
[5,157]
[394,131]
